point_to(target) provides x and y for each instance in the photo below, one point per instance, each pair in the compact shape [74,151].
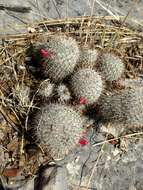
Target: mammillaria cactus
[111,66]
[87,84]
[46,89]
[132,83]
[63,93]
[60,55]
[88,56]
[110,107]
[132,106]
[125,107]
[59,127]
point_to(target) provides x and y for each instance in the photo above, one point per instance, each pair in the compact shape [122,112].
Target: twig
[110,140]
[95,165]
[16,8]
[54,3]
[83,166]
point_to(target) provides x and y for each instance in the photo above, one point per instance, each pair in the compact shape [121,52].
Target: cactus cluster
[59,127]
[59,124]
[111,67]
[87,83]
[60,55]
[125,107]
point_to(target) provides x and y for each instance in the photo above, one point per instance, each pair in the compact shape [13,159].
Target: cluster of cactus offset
[71,84]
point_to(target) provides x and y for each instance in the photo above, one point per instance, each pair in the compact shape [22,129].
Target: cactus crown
[111,67]
[87,83]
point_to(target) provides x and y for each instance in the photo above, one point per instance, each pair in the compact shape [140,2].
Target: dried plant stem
[125,136]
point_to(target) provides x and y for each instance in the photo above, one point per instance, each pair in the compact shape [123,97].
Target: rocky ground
[15,22]
[100,165]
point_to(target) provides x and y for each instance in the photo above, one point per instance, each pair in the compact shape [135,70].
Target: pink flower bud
[44,53]
[82,100]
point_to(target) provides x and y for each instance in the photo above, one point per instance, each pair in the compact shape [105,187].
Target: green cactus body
[63,56]
[87,83]
[59,127]
[111,67]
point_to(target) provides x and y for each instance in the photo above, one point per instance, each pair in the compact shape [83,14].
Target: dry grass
[103,33]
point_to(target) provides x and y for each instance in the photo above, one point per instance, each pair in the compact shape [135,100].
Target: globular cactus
[111,67]
[88,57]
[110,107]
[125,107]
[132,106]
[87,84]
[60,55]
[132,83]
[46,89]
[63,93]
[58,127]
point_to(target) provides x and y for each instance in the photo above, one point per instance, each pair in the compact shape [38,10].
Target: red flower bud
[44,53]
[82,100]
[83,142]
